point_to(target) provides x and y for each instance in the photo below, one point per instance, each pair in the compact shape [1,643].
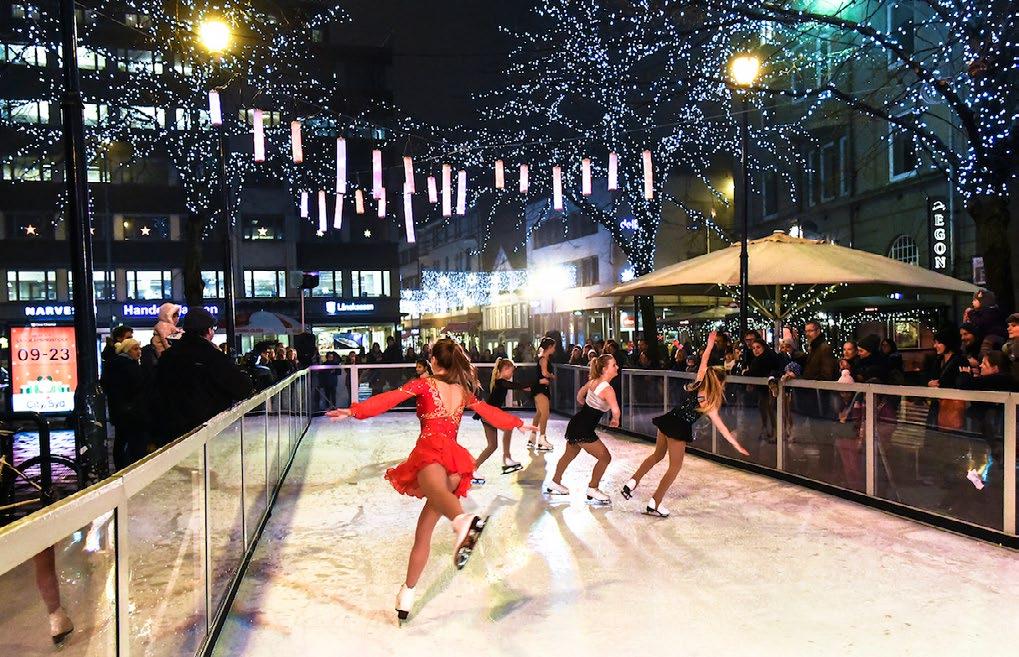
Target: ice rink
[746,565]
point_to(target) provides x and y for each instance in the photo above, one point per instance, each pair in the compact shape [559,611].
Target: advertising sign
[43,369]
[940,235]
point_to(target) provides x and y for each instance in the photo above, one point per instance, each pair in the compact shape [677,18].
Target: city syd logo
[334,307]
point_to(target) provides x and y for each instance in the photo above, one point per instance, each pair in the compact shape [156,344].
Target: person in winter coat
[985,315]
[767,364]
[118,334]
[195,380]
[820,364]
[1011,348]
[126,392]
[166,328]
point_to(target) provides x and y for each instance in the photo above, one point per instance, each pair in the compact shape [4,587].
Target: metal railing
[331,386]
[944,452]
[146,560]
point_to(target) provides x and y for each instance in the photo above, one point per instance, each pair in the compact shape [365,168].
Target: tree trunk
[194,230]
[991,216]
[649,327]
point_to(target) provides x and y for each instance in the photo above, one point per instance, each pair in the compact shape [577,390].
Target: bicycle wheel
[65,476]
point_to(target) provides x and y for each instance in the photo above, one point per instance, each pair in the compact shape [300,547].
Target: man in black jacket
[196,380]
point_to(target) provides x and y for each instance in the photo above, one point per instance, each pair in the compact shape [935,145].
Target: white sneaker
[654,509]
[60,625]
[628,489]
[595,496]
[556,489]
[404,601]
[543,444]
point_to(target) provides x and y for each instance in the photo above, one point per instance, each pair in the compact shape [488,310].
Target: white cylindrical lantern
[461,192]
[649,190]
[323,221]
[523,178]
[500,175]
[359,201]
[447,190]
[382,202]
[408,217]
[295,142]
[304,205]
[341,165]
[376,173]
[408,175]
[613,172]
[338,213]
[433,191]
[585,176]
[557,188]
[259,137]
[215,109]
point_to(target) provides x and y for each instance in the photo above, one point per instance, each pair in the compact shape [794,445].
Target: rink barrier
[283,412]
[325,396]
[884,441]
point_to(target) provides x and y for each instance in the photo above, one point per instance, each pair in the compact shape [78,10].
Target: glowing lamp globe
[744,70]
[214,35]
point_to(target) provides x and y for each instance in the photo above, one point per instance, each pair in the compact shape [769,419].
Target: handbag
[951,413]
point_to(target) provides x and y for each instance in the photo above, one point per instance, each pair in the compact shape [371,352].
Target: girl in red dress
[438,468]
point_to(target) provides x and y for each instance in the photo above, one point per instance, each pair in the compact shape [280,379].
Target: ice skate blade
[463,553]
[655,513]
[509,469]
[594,502]
[626,493]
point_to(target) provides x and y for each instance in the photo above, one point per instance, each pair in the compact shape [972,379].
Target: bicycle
[29,485]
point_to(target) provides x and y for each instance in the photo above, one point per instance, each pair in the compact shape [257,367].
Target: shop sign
[152,310]
[336,307]
[43,369]
[626,320]
[49,312]
[940,235]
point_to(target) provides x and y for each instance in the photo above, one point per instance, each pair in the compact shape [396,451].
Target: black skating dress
[497,396]
[581,426]
[678,423]
[538,388]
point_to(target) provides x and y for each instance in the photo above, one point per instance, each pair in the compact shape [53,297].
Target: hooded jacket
[166,328]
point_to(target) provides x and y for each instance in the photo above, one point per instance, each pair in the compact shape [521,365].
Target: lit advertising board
[43,369]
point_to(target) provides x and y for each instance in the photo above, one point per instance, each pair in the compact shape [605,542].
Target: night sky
[443,50]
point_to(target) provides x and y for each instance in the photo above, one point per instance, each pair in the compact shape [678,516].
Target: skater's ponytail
[713,390]
[500,364]
[452,358]
[598,366]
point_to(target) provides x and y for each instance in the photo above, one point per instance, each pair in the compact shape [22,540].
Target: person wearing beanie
[985,315]
[125,388]
[970,340]
[946,369]
[1011,347]
[872,365]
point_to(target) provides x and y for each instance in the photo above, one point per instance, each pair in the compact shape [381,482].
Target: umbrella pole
[778,315]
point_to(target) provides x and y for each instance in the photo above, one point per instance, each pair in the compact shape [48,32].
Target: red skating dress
[439,428]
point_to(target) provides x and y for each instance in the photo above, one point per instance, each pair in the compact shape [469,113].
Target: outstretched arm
[497,417]
[716,420]
[706,356]
[374,405]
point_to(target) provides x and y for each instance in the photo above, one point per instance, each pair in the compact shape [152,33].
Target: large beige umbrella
[781,260]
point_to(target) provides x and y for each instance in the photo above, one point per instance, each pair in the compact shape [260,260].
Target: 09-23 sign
[43,369]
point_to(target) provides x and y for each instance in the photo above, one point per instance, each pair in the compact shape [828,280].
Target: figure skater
[502,382]
[596,397]
[438,468]
[540,393]
[675,429]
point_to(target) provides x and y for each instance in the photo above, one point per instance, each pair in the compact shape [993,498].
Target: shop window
[32,285]
[105,284]
[146,228]
[262,227]
[213,281]
[330,284]
[371,283]
[149,285]
[264,283]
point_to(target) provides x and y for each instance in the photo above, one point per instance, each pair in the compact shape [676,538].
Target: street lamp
[744,69]
[214,35]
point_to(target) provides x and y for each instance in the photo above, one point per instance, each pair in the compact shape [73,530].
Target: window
[26,169]
[846,165]
[182,66]
[141,116]
[146,228]
[23,54]
[769,193]
[317,36]
[902,157]
[262,227]
[213,281]
[98,170]
[139,61]
[586,271]
[813,179]
[832,182]
[370,283]
[105,285]
[269,118]
[904,249]
[24,10]
[330,284]
[265,283]
[25,111]
[901,27]
[32,227]
[141,21]
[85,16]
[90,60]
[149,285]
[32,285]
[96,113]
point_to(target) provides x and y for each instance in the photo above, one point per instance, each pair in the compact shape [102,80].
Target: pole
[744,209]
[89,400]
[229,257]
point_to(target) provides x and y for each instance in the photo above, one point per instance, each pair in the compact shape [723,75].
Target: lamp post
[215,37]
[743,70]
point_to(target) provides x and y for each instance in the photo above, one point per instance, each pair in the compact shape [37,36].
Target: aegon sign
[152,310]
[334,307]
[940,235]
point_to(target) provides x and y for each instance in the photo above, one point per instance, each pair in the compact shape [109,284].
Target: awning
[459,327]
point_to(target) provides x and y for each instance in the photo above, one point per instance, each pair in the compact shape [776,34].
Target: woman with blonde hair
[596,397]
[438,469]
[502,382]
[675,429]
